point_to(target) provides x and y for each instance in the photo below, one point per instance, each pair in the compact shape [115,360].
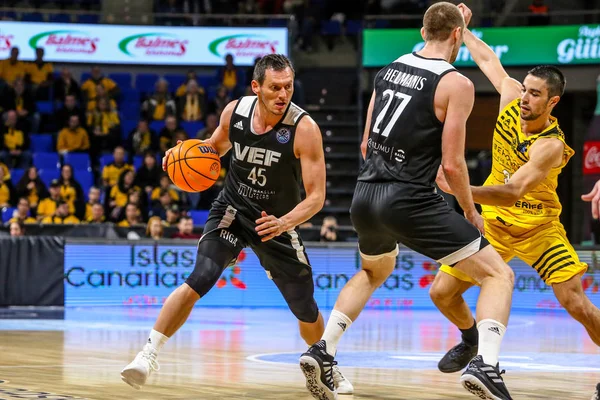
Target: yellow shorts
[545,248]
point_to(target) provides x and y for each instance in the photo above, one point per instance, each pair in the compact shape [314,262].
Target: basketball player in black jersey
[416,121]
[275,146]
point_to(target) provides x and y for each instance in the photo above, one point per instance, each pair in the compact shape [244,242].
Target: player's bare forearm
[486,59]
[495,195]
[304,211]
[457,176]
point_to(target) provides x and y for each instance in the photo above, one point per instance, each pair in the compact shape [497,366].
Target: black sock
[471,336]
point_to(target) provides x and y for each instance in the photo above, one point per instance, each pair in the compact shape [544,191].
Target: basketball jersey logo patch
[283,135]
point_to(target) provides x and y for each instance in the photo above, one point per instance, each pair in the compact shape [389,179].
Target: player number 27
[389,95]
[257,175]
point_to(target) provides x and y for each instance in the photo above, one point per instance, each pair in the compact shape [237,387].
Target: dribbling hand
[467,13]
[166,157]
[269,226]
[476,219]
[594,198]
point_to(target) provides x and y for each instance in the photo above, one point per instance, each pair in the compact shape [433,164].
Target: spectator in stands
[17,229]
[132,216]
[62,215]
[12,68]
[14,149]
[154,228]
[148,176]
[89,87]
[73,138]
[168,133]
[7,192]
[219,102]
[7,97]
[138,198]
[186,229]
[71,191]
[229,76]
[182,89]
[165,185]
[23,212]
[539,13]
[112,171]
[40,74]
[329,230]
[101,94]
[192,104]
[48,205]
[160,105]
[70,108]
[65,86]
[119,193]
[93,199]
[105,127]
[160,207]
[6,171]
[142,139]
[172,215]
[96,214]
[32,187]
[180,136]
[212,122]
[27,119]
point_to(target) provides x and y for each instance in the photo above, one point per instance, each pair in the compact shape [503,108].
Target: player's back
[405,137]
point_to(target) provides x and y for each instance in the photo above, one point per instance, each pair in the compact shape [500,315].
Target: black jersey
[405,139]
[264,173]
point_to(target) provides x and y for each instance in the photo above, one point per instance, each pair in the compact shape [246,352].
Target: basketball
[193,165]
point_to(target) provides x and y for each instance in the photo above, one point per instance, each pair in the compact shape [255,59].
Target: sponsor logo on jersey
[230,237]
[283,135]
[239,125]
[529,206]
[256,155]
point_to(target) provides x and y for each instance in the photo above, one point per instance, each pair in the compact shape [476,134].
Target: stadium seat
[86,180]
[331,28]
[130,110]
[41,143]
[60,18]
[47,175]
[85,76]
[105,160]
[45,107]
[16,174]
[157,126]
[137,162]
[79,161]
[207,81]
[129,95]
[145,82]
[192,128]
[32,17]
[278,23]
[88,19]
[122,79]
[127,125]
[7,213]
[47,161]
[9,15]
[174,81]
[199,216]
[353,27]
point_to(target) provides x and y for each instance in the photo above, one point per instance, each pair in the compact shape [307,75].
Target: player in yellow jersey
[520,205]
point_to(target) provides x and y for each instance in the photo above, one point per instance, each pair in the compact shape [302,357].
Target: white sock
[157,340]
[491,334]
[337,324]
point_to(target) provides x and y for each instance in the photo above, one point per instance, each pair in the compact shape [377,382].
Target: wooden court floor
[251,354]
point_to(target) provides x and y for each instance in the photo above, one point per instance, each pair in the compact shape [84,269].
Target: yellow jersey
[510,151]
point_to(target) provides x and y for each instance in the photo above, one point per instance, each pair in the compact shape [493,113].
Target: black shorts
[384,215]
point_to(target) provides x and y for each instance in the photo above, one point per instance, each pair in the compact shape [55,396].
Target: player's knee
[507,274]
[210,263]
[442,295]
[305,311]
[575,305]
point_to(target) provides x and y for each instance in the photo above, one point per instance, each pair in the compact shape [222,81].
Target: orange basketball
[194,166]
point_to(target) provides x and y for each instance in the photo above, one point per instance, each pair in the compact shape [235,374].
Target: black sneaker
[484,381]
[317,366]
[457,358]
[596,395]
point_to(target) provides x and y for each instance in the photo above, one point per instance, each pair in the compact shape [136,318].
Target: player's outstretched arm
[544,155]
[308,147]
[363,145]
[460,93]
[489,63]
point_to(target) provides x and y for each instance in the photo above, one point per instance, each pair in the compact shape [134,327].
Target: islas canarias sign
[558,45]
[148,45]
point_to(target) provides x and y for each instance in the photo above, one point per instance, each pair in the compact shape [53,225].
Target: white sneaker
[138,371]
[342,384]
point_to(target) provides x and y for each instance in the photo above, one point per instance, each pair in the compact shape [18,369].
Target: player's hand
[441,181]
[476,219]
[166,157]
[269,226]
[467,13]
[594,198]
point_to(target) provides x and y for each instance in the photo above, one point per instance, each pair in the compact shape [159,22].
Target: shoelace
[337,374]
[458,349]
[151,358]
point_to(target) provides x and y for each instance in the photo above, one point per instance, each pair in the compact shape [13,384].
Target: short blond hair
[440,20]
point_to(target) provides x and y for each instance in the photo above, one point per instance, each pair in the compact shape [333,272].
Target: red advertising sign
[591,158]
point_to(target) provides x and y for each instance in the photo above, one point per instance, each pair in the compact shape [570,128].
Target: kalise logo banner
[148,45]
[557,45]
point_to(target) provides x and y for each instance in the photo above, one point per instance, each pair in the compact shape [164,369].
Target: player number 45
[257,175]
[388,96]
